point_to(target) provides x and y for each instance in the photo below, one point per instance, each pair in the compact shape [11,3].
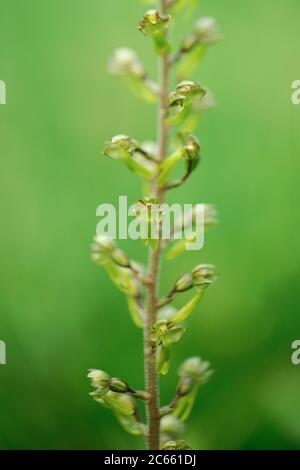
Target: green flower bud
[176,445]
[190,217]
[103,244]
[192,147]
[185,386]
[203,275]
[171,425]
[196,369]
[186,94]
[120,403]
[124,279]
[176,100]
[150,148]
[166,313]
[119,257]
[99,393]
[125,62]
[210,215]
[189,88]
[119,386]
[207,31]
[154,23]
[99,378]
[120,146]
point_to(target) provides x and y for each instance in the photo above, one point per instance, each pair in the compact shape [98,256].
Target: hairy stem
[151,376]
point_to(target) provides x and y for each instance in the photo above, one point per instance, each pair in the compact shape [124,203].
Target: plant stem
[151,376]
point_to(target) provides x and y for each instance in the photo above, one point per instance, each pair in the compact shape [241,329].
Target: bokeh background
[60,315]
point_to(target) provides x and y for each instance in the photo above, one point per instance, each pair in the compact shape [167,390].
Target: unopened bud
[171,425]
[185,386]
[125,62]
[184,283]
[192,147]
[176,445]
[196,369]
[203,275]
[118,385]
[120,258]
[99,379]
[119,146]
[207,31]
[189,88]
[153,23]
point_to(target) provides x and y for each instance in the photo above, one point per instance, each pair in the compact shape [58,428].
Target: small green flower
[122,147]
[164,335]
[149,213]
[119,386]
[102,248]
[120,258]
[166,313]
[186,94]
[100,380]
[176,445]
[196,369]
[125,62]
[171,426]
[203,275]
[207,31]
[184,283]
[155,25]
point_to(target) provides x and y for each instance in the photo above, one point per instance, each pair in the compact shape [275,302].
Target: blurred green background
[60,315]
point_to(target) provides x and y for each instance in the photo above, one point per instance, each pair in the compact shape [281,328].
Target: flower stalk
[163,325]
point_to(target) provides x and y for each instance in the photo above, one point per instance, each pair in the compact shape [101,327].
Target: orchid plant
[179,109]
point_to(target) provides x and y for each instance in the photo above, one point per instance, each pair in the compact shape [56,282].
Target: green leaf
[190,61]
[129,424]
[176,6]
[120,403]
[185,311]
[124,279]
[185,405]
[136,312]
[164,358]
[141,90]
[168,166]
